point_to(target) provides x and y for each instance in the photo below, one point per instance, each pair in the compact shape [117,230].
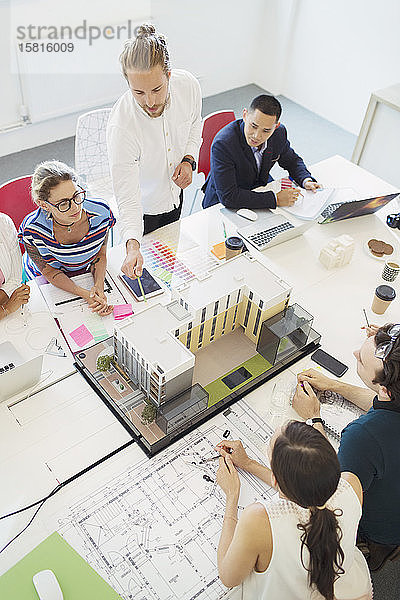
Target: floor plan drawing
[152,531]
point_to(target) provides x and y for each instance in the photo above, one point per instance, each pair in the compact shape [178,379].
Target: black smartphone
[329,363]
[149,284]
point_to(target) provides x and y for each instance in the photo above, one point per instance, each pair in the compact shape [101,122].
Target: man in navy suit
[242,155]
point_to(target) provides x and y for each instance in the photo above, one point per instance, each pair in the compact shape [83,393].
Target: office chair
[212,123]
[16,200]
[91,157]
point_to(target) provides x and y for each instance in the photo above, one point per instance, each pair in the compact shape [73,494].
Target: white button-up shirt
[10,255]
[144,151]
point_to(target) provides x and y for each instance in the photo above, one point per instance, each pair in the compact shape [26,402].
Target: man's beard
[159,112]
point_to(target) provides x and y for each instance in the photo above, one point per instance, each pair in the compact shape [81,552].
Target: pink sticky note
[81,335]
[122,310]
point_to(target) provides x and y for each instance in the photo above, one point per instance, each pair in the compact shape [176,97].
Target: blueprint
[152,531]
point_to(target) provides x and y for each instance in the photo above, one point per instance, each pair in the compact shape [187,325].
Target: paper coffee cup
[391,269]
[384,295]
[233,246]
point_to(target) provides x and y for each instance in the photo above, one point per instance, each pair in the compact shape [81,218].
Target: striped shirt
[37,230]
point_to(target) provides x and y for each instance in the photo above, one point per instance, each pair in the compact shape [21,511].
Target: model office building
[157,347]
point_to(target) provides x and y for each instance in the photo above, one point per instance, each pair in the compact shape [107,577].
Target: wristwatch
[191,162]
[315,420]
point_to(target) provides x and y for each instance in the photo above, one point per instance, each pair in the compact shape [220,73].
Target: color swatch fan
[175,261]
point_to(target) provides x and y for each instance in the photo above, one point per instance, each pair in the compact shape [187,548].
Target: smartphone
[329,363]
[149,284]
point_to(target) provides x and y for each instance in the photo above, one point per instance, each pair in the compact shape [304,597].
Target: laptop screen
[357,208]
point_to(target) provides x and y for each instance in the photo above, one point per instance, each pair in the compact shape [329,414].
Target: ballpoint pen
[366,318]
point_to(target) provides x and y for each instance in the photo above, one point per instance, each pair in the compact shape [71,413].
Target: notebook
[337,412]
[310,204]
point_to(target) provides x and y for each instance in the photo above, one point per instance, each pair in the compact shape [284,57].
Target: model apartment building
[157,347]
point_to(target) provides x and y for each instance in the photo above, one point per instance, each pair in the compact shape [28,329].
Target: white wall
[327,56]
[57,87]
[337,53]
[11,99]
[208,38]
[211,38]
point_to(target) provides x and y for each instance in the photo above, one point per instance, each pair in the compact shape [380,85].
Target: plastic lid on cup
[234,243]
[385,292]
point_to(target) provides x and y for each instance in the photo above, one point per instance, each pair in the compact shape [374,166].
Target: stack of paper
[310,204]
[121,311]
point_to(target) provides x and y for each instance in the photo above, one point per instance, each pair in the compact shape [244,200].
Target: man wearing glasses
[370,445]
[67,234]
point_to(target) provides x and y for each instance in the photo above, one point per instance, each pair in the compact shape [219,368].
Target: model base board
[127,401]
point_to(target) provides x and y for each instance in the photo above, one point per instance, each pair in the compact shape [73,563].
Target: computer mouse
[246,213]
[47,586]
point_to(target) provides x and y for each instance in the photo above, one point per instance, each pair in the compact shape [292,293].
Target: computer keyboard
[330,209]
[262,238]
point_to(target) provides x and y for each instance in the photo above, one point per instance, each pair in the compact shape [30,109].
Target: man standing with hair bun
[153,137]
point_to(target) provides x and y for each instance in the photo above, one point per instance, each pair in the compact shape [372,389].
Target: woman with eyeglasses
[301,546]
[67,235]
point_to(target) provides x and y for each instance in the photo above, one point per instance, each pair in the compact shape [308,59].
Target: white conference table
[57,432]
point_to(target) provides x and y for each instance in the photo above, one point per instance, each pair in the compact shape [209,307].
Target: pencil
[223,225]
[366,318]
[141,289]
[206,460]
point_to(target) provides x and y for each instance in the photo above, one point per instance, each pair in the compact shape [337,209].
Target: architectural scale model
[174,365]
[338,252]
[152,531]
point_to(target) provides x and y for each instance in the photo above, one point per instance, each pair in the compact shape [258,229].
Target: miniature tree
[104,362]
[149,413]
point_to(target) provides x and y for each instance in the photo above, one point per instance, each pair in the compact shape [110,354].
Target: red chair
[15,199]
[212,123]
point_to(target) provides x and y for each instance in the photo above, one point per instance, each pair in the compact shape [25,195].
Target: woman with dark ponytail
[302,546]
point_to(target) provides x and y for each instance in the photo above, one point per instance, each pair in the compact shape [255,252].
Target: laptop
[9,357]
[270,229]
[17,375]
[349,208]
